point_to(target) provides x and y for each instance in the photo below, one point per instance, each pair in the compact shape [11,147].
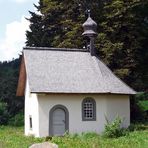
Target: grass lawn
[12,137]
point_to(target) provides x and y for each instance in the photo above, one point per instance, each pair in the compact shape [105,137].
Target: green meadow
[13,137]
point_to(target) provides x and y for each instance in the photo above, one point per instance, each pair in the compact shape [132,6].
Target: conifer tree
[123,39]
[122,32]
[60,23]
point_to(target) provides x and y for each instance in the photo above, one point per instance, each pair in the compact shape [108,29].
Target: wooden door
[58,122]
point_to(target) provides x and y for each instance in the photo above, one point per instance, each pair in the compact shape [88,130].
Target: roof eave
[115,93]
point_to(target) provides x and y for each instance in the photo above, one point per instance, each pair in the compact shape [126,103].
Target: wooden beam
[22,79]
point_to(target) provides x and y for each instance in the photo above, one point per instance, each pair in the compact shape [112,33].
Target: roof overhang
[96,93]
[67,71]
[22,79]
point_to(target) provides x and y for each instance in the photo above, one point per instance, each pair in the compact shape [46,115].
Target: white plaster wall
[31,109]
[118,107]
[109,105]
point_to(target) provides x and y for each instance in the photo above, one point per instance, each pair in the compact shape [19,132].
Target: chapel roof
[61,70]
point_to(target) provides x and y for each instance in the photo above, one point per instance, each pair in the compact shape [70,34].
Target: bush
[143,105]
[139,109]
[17,120]
[113,129]
[4,115]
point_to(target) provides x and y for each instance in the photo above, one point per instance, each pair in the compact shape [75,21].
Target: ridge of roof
[55,49]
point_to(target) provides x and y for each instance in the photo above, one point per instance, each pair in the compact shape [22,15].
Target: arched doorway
[58,120]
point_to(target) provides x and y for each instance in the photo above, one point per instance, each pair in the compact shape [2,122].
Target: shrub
[143,105]
[17,120]
[4,115]
[113,129]
[139,109]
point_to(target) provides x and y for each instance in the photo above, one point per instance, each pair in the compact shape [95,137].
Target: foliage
[122,27]
[139,107]
[142,96]
[144,105]
[121,42]
[17,120]
[113,129]
[59,23]
[3,113]
[13,137]
[9,72]
[137,127]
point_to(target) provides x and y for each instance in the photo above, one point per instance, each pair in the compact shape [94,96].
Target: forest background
[122,43]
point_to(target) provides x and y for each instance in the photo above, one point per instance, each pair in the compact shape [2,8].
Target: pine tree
[9,103]
[38,35]
[60,23]
[123,38]
[122,32]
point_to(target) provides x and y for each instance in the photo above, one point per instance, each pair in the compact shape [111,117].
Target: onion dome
[90,27]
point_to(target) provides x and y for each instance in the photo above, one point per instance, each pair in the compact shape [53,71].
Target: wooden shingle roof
[53,70]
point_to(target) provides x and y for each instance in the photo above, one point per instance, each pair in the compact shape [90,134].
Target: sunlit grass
[13,137]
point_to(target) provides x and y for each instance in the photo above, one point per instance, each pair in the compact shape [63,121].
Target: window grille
[88,109]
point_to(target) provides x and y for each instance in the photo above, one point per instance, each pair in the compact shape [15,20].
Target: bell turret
[90,27]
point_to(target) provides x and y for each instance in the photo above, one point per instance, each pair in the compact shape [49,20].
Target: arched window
[88,109]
